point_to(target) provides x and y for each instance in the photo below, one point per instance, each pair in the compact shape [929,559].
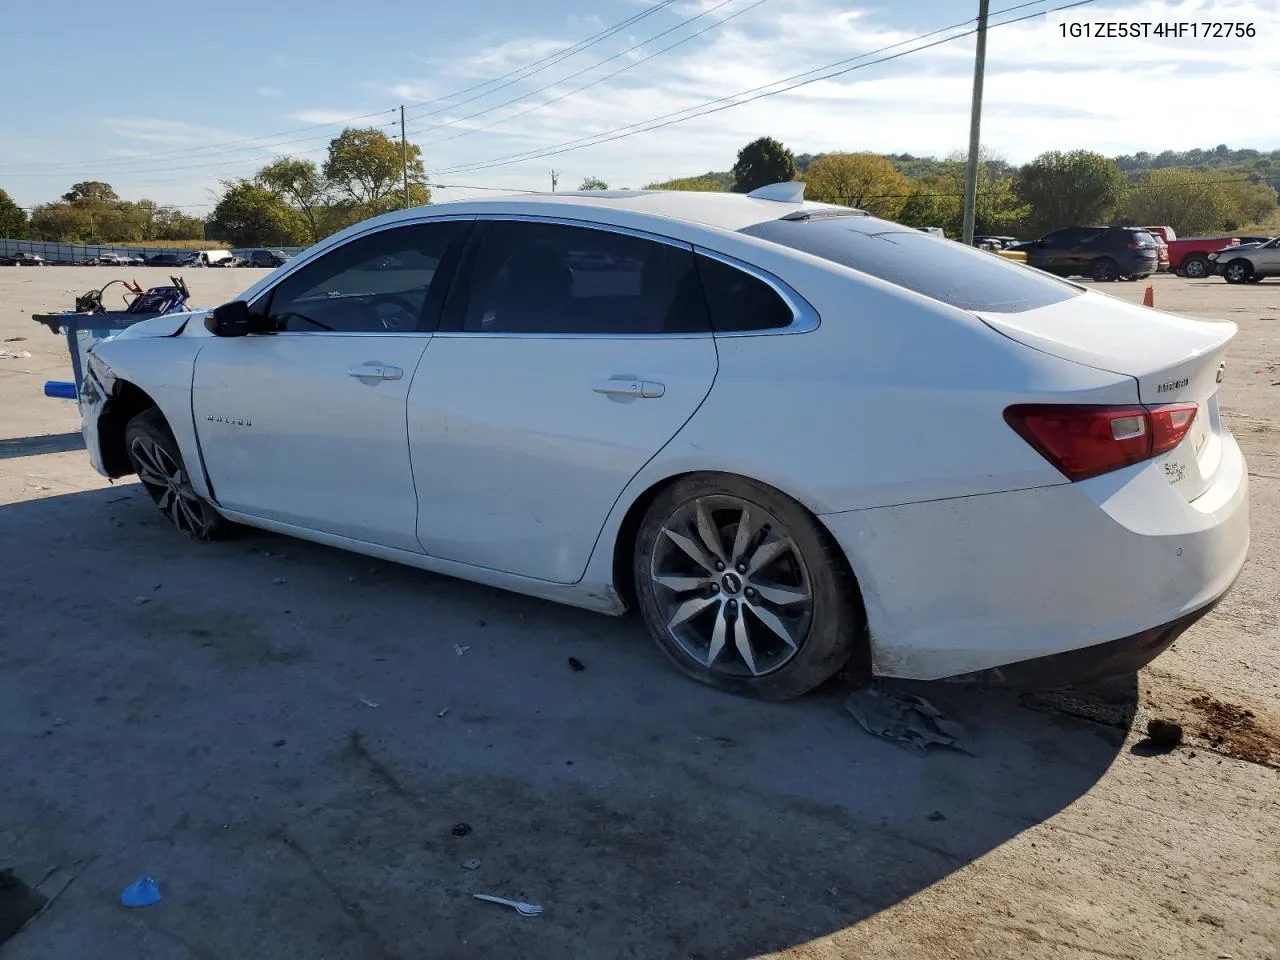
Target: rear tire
[743,590]
[1197,268]
[156,459]
[1104,270]
[1237,271]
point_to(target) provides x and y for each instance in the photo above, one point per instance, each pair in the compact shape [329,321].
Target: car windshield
[944,270]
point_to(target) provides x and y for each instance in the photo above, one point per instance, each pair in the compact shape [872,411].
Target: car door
[307,425]
[1266,259]
[1052,253]
[568,356]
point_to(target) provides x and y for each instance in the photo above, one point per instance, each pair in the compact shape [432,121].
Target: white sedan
[793,436]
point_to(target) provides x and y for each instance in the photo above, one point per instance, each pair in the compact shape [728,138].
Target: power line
[623,53]
[657,123]
[548,61]
[540,64]
[148,158]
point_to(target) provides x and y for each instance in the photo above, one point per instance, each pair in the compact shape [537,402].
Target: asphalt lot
[205,714]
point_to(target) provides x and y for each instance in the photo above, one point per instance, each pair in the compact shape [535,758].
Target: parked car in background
[22,259]
[1248,263]
[992,242]
[112,260]
[207,258]
[267,258]
[1189,257]
[163,260]
[634,435]
[1103,254]
[230,260]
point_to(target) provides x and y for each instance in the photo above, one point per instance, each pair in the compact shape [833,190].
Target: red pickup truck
[1190,257]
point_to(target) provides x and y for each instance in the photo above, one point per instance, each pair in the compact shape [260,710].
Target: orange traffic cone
[1149,298]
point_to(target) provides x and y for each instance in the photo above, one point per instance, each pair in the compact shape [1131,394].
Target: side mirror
[234,320]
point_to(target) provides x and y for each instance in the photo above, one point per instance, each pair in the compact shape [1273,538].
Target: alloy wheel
[168,484]
[732,585]
[1196,268]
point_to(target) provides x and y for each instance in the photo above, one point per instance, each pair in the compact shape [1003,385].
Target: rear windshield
[942,269]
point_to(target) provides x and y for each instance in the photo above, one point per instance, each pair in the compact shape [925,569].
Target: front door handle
[623,388]
[375,371]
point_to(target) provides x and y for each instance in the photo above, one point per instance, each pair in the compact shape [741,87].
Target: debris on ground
[1235,731]
[1164,733]
[370,703]
[576,665]
[461,829]
[443,712]
[143,892]
[141,600]
[903,718]
[472,864]
[461,648]
[14,354]
[14,339]
[279,581]
[937,815]
[280,743]
[519,906]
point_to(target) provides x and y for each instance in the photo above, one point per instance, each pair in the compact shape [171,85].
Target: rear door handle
[623,388]
[375,371]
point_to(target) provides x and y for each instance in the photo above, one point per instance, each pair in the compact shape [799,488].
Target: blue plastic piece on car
[143,892]
[60,389]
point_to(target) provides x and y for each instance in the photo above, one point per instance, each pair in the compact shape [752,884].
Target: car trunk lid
[1173,359]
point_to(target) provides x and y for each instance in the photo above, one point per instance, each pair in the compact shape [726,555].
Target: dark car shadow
[322,753]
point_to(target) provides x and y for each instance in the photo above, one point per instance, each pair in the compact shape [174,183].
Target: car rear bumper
[963,586]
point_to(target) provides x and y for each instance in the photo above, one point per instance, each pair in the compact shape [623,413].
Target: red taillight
[1085,441]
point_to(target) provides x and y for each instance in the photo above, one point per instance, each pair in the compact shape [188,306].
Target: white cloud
[1042,92]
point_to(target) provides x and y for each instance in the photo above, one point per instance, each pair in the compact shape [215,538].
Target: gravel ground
[286,737]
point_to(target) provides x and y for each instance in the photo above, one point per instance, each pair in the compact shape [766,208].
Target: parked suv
[1102,253]
[267,258]
[1248,264]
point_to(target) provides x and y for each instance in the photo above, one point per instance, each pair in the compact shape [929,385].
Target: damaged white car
[793,436]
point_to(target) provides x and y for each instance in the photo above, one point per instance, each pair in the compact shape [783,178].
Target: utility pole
[555,178]
[975,125]
[405,155]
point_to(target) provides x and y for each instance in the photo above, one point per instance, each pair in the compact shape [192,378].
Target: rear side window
[944,270]
[529,277]
[738,301]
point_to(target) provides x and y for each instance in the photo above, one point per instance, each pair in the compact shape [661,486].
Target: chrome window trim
[804,318]
[415,222]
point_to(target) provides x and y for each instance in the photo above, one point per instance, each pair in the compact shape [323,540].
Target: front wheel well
[125,403]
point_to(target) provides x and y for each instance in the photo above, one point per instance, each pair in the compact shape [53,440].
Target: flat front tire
[156,459]
[743,590]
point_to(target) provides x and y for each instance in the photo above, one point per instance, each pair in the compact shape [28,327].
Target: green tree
[1190,201]
[935,201]
[249,215]
[762,162]
[301,184]
[1066,189]
[13,219]
[593,183]
[62,221]
[169,223]
[696,184]
[862,180]
[90,191]
[1250,201]
[364,168]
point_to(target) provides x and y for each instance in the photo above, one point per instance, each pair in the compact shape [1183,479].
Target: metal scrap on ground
[904,718]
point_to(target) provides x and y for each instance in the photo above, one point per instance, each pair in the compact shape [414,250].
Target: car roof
[726,211]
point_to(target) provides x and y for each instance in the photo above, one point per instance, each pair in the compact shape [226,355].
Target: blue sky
[207,91]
